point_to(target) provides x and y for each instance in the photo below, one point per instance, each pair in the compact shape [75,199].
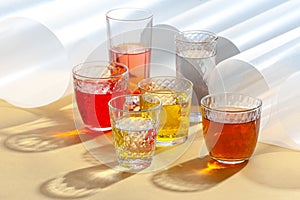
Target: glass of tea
[176,95]
[95,83]
[135,122]
[129,33]
[195,59]
[230,123]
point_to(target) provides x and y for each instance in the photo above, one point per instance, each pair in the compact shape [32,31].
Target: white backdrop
[258,49]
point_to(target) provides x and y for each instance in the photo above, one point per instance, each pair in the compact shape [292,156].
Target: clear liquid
[196,65]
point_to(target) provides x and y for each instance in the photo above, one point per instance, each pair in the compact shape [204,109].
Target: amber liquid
[136,57]
[230,141]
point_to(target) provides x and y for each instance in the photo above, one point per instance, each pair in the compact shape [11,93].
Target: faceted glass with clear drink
[175,94]
[95,83]
[195,59]
[231,125]
[129,33]
[135,122]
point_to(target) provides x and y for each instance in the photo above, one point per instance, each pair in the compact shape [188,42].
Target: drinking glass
[129,32]
[195,59]
[231,125]
[95,83]
[175,94]
[135,122]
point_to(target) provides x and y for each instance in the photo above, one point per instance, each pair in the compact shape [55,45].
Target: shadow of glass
[105,152]
[101,148]
[41,129]
[15,119]
[47,140]
[195,175]
[83,182]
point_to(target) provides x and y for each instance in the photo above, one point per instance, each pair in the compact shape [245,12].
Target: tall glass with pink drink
[129,33]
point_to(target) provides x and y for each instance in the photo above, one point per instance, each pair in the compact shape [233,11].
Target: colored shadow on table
[82,182]
[48,140]
[101,150]
[40,129]
[195,175]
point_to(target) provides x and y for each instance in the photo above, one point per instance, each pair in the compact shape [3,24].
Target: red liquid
[137,59]
[93,109]
[92,97]
[231,142]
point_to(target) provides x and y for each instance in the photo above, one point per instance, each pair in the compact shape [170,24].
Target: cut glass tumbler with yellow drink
[135,122]
[175,94]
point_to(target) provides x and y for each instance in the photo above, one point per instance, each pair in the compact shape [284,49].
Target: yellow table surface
[43,157]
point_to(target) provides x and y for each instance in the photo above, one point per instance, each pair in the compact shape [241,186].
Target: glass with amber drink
[231,124]
[175,94]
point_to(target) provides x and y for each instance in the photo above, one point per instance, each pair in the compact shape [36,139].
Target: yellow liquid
[174,117]
[134,138]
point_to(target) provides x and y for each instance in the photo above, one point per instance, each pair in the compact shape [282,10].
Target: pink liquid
[137,59]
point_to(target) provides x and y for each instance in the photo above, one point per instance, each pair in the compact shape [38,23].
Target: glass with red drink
[95,83]
[129,33]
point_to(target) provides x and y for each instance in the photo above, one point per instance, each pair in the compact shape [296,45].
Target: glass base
[97,129]
[230,162]
[134,164]
[195,117]
[171,142]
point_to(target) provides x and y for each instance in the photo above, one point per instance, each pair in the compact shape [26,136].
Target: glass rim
[180,35]
[100,64]
[245,110]
[156,107]
[147,14]
[163,77]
